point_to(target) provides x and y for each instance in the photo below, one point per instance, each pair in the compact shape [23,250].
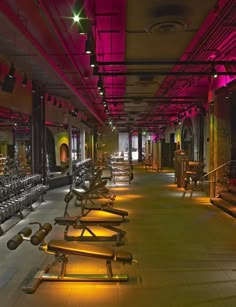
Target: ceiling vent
[169,18]
[168,24]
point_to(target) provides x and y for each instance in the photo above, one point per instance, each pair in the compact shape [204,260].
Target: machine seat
[66,220]
[103,220]
[76,248]
[107,209]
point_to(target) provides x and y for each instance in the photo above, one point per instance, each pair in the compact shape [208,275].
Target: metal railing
[220,178]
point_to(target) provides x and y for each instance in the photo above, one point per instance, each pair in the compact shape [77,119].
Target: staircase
[222,186]
[226,201]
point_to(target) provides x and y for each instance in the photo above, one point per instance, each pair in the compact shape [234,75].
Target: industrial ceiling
[154,59]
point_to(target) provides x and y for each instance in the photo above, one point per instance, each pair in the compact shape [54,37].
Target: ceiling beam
[154,97]
[165,73]
[158,102]
[166,62]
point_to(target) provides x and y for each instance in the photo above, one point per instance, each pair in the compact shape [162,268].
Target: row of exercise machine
[94,201]
[121,170]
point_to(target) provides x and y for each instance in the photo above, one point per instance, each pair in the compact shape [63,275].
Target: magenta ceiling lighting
[213,41]
[109,28]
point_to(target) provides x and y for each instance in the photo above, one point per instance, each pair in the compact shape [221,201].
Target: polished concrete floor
[185,248]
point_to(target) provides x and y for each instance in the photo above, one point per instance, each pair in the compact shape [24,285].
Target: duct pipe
[200,39]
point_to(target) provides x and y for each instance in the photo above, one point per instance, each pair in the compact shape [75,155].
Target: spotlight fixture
[75,112]
[93,60]
[33,87]
[89,42]
[214,73]
[25,80]
[11,71]
[88,46]
[101,91]
[9,80]
[55,102]
[41,94]
[60,105]
[99,83]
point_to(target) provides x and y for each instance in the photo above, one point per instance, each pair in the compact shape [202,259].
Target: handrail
[217,168]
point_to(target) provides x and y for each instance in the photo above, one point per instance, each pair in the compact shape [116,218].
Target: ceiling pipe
[6,10]
[166,62]
[169,102]
[155,97]
[210,37]
[164,73]
[200,40]
[116,116]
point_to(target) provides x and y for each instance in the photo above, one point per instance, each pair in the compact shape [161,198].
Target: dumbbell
[14,242]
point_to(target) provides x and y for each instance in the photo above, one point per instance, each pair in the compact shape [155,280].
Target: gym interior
[117,153]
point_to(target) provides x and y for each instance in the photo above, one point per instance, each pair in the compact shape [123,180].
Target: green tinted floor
[185,247]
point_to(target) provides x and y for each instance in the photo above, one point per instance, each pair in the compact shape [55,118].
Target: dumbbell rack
[2,164]
[120,171]
[82,170]
[17,193]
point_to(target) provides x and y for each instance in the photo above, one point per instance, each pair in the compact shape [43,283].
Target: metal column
[140,155]
[82,144]
[38,135]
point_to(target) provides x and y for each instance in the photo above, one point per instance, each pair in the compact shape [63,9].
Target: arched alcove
[64,153]
[187,138]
